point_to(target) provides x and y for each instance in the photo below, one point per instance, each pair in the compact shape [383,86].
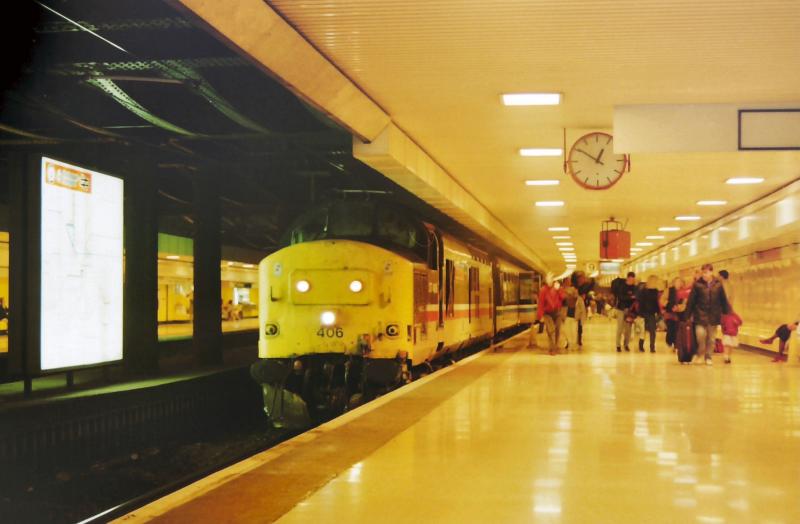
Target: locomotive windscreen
[375,222]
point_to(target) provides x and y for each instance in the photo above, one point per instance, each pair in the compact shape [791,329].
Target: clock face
[592,162]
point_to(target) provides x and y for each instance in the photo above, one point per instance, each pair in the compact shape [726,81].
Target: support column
[17,166]
[140,322]
[207,259]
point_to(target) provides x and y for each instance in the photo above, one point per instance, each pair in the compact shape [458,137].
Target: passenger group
[698,315]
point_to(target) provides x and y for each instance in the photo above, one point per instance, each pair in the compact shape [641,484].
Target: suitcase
[684,341]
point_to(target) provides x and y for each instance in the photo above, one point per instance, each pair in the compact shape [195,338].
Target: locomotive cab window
[374,222]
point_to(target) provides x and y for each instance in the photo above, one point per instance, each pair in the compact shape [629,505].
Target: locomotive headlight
[328,318]
[356,286]
[302,286]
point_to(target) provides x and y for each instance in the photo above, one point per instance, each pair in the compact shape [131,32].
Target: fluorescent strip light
[531,99]
[549,203]
[542,182]
[173,257]
[540,151]
[561,237]
[669,228]
[559,228]
[248,265]
[687,218]
[654,237]
[635,249]
[644,244]
[711,202]
[563,243]
[566,249]
[744,180]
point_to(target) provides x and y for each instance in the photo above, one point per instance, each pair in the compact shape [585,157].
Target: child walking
[730,333]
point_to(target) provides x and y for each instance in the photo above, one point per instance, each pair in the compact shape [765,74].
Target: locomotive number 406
[330,332]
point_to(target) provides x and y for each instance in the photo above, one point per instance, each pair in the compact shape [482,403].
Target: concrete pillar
[207,259]
[140,323]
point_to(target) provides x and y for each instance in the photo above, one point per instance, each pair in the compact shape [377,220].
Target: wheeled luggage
[684,341]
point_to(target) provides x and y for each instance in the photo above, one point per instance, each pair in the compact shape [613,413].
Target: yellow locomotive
[363,293]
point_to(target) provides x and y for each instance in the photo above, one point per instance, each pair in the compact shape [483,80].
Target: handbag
[718,346]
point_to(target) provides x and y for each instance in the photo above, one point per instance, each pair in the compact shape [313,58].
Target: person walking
[624,294]
[670,313]
[730,332]
[571,299]
[707,303]
[648,310]
[548,311]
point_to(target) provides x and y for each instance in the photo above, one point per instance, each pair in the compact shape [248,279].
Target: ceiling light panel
[558,228]
[542,182]
[549,203]
[669,228]
[687,218]
[744,180]
[531,99]
[711,202]
[540,151]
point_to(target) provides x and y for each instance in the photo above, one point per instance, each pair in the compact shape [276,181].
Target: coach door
[474,294]
[420,304]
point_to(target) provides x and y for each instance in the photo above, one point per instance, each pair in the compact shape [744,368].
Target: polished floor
[589,437]
[520,436]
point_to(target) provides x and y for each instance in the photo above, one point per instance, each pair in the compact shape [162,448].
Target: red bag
[718,347]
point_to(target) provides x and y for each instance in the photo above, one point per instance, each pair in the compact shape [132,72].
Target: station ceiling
[438,68]
[140,80]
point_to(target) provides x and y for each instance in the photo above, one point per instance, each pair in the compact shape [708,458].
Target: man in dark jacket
[624,295]
[706,305]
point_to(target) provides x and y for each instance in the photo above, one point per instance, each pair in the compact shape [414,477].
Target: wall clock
[592,163]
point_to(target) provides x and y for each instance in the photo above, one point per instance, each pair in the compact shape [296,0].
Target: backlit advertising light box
[81,279]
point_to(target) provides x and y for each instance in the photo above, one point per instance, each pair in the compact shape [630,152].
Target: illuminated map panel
[82,235]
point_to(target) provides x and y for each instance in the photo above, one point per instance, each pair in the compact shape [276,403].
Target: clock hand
[599,156]
[587,154]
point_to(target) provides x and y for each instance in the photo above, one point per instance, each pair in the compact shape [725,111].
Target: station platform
[515,435]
